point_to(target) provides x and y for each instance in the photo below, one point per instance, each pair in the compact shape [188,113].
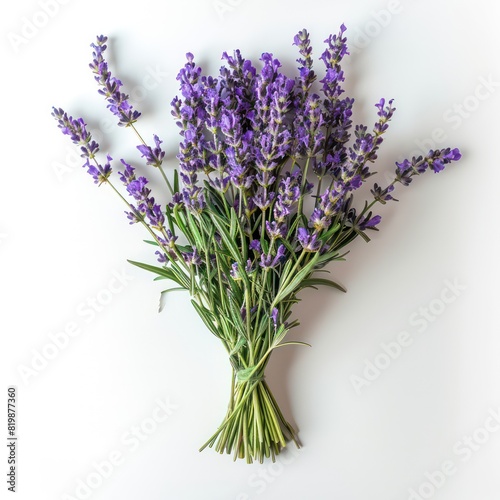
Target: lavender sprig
[118,102]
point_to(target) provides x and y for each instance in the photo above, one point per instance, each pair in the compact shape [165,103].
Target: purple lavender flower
[383,195]
[330,202]
[170,239]
[128,175]
[275,230]
[234,272]
[307,76]
[270,261]
[249,268]
[146,205]
[405,170]
[192,258]
[168,253]
[255,246]
[319,220]
[110,86]
[154,156]
[274,317]
[77,130]
[435,160]
[272,137]
[288,195]
[309,131]
[237,148]
[438,159]
[309,242]
[191,114]
[99,173]
[369,222]
[162,257]
[337,112]
[263,199]
[385,113]
[138,190]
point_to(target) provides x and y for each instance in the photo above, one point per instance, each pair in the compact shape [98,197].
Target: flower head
[118,102]
[154,156]
[309,242]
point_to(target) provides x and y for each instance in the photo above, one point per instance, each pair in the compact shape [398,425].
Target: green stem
[302,188]
[254,427]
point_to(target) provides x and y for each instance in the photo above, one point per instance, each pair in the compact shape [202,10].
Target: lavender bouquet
[244,229]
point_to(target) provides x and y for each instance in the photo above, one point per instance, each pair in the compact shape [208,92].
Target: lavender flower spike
[110,86]
[77,130]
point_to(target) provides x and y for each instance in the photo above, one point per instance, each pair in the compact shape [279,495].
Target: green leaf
[151,242]
[295,283]
[176,181]
[207,317]
[241,342]
[159,278]
[181,224]
[161,304]
[293,227]
[198,240]
[265,245]
[164,273]
[313,282]
[326,236]
[160,271]
[232,227]
[285,272]
[293,342]
[170,219]
[237,320]
[363,235]
[329,256]
[227,240]
[263,325]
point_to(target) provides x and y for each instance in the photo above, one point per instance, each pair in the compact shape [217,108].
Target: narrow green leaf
[292,342]
[264,323]
[285,272]
[198,240]
[328,234]
[161,271]
[181,224]
[207,317]
[293,228]
[234,222]
[241,342]
[170,219]
[313,282]
[228,242]
[161,304]
[295,283]
[176,181]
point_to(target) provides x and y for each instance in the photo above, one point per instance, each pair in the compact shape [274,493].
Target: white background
[62,240]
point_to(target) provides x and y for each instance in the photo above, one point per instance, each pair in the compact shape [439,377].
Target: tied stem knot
[250,374]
